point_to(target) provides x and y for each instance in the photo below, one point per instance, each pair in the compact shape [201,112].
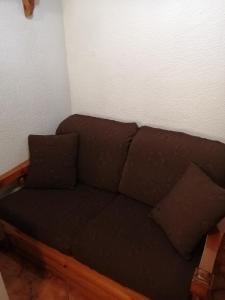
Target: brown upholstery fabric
[124,244]
[52,161]
[158,158]
[103,148]
[54,217]
[190,210]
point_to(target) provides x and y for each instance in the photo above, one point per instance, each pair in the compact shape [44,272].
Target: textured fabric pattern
[190,210]
[158,158]
[124,244]
[103,148]
[52,161]
[54,217]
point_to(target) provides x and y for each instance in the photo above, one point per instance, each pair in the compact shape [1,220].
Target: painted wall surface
[156,62]
[34,86]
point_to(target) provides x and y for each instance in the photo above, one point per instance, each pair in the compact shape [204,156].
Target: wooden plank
[68,268]
[14,173]
[210,252]
[203,277]
[3,292]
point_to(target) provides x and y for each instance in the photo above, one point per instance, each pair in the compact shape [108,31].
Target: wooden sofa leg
[201,284]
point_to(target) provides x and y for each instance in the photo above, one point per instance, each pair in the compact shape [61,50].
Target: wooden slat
[68,268]
[14,173]
[211,249]
[203,277]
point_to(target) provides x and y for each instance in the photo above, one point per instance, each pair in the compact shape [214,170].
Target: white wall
[34,89]
[159,62]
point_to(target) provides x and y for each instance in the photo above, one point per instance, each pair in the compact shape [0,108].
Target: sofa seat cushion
[125,245]
[54,216]
[103,147]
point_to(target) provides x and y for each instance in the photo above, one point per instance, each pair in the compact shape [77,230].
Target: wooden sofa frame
[99,286]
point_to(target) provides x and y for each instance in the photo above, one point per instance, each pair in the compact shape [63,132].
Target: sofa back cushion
[103,148]
[158,158]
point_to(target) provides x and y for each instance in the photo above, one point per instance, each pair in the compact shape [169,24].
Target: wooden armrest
[203,277]
[14,174]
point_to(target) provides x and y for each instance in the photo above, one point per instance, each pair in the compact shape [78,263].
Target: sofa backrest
[103,148]
[157,158]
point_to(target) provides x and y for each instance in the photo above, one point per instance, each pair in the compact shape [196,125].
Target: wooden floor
[24,281]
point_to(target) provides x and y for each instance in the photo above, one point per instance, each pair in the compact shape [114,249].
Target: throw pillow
[190,210]
[52,161]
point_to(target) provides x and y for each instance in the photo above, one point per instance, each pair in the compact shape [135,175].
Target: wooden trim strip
[14,174]
[99,286]
[203,277]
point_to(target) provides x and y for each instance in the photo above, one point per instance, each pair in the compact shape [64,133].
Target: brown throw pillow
[190,210]
[52,161]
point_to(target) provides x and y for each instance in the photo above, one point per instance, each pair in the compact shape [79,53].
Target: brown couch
[123,171]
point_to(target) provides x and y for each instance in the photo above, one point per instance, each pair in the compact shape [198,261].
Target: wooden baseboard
[99,286]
